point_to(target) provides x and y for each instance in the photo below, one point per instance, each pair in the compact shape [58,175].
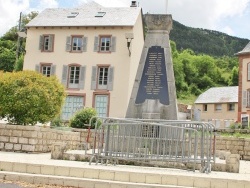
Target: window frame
[231,107]
[74,79]
[218,109]
[205,108]
[102,85]
[42,65]
[72,43]
[75,95]
[105,46]
[102,93]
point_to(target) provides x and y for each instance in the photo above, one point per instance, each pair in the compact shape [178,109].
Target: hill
[204,41]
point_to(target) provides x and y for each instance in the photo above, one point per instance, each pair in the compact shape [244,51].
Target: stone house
[93,50]
[244,83]
[218,105]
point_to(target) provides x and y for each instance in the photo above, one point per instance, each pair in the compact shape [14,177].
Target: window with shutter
[105,44]
[46,69]
[76,43]
[74,77]
[46,43]
[104,76]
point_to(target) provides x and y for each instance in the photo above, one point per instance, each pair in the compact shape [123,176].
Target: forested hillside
[203,41]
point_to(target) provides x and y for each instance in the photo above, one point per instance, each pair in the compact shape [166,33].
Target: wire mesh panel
[153,142]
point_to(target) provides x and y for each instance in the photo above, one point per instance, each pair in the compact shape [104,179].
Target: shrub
[81,118]
[56,122]
[28,97]
[235,126]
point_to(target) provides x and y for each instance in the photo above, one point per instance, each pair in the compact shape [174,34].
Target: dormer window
[100,14]
[72,14]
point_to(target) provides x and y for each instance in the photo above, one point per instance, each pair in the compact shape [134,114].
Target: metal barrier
[154,142]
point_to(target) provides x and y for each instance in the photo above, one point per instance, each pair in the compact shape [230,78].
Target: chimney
[133,4]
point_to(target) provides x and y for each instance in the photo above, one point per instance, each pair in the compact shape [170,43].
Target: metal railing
[153,142]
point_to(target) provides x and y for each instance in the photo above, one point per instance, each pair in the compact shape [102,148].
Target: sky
[228,16]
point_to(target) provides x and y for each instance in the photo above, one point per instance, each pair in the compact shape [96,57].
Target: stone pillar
[57,150]
[233,163]
[154,93]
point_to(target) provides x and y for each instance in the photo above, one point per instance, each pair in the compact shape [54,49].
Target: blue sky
[228,16]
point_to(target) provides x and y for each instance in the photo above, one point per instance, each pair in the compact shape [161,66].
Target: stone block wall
[37,139]
[239,146]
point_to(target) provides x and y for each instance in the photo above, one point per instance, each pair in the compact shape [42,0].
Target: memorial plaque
[154,83]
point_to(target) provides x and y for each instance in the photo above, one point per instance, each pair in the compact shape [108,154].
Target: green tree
[19,64]
[234,77]
[28,97]
[7,59]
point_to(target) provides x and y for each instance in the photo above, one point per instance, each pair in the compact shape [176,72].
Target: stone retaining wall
[239,146]
[37,139]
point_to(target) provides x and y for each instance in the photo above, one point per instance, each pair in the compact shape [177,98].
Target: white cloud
[43,4]
[108,3]
[206,14]
[9,13]
[228,30]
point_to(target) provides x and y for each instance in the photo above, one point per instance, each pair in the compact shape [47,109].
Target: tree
[28,97]
[19,64]
[234,77]
[7,59]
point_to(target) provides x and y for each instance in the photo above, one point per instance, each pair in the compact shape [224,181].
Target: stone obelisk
[154,93]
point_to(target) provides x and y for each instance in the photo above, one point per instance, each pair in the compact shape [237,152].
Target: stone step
[75,182]
[125,174]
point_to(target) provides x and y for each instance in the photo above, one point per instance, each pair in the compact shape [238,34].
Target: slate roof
[245,50]
[114,16]
[219,95]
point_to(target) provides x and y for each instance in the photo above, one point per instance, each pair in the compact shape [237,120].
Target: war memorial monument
[154,94]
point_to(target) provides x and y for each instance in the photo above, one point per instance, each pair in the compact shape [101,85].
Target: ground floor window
[72,104]
[101,105]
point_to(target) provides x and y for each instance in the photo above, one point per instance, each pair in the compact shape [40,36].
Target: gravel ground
[11,184]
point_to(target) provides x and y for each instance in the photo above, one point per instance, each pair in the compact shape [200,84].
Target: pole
[18,39]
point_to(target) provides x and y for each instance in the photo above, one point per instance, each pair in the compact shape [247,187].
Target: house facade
[244,83]
[93,50]
[218,105]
